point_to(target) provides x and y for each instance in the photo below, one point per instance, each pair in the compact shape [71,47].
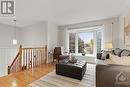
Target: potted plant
[83,52]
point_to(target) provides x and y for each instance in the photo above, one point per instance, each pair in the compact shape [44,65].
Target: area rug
[53,80]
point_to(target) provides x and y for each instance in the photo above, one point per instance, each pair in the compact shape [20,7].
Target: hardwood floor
[21,79]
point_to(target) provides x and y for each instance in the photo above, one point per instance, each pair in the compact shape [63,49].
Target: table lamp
[108,45]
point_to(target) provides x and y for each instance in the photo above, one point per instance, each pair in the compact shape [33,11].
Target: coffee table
[73,70]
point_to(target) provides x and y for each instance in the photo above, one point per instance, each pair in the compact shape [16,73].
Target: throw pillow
[105,55]
[125,53]
[118,51]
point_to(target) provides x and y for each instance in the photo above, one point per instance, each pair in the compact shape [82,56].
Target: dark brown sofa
[110,75]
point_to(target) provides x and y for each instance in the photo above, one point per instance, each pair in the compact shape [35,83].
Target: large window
[86,42]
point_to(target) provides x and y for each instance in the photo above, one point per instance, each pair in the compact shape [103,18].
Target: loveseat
[112,75]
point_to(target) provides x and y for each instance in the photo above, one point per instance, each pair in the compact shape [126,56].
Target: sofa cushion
[105,55]
[118,51]
[124,60]
[125,53]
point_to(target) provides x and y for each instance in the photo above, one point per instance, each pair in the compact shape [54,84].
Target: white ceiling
[64,11]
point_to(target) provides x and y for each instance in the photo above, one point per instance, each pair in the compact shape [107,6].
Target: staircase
[28,58]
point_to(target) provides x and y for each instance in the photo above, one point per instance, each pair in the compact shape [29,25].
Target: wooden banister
[16,64]
[28,58]
[14,60]
[34,56]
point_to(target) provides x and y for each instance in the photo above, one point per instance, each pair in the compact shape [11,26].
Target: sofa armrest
[64,57]
[108,75]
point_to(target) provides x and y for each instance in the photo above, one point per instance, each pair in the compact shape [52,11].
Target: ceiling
[64,12]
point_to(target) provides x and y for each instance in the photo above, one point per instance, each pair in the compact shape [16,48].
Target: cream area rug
[53,80]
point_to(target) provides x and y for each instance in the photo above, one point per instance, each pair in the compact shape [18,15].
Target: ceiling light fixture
[15,40]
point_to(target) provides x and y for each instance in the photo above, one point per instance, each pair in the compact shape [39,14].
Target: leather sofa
[108,75]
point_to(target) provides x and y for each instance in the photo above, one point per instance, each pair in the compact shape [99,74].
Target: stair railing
[28,58]
[32,57]
[16,65]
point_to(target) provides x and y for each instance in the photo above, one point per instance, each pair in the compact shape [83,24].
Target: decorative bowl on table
[72,59]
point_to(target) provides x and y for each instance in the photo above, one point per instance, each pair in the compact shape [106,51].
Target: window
[86,42]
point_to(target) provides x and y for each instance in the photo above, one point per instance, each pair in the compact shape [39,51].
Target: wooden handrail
[16,64]
[28,58]
[34,48]
[14,60]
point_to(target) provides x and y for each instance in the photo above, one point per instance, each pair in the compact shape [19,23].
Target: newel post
[46,53]
[20,55]
[8,69]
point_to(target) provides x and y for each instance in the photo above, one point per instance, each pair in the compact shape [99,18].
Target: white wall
[52,36]
[7,34]
[34,35]
[7,50]
[108,34]
[39,34]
